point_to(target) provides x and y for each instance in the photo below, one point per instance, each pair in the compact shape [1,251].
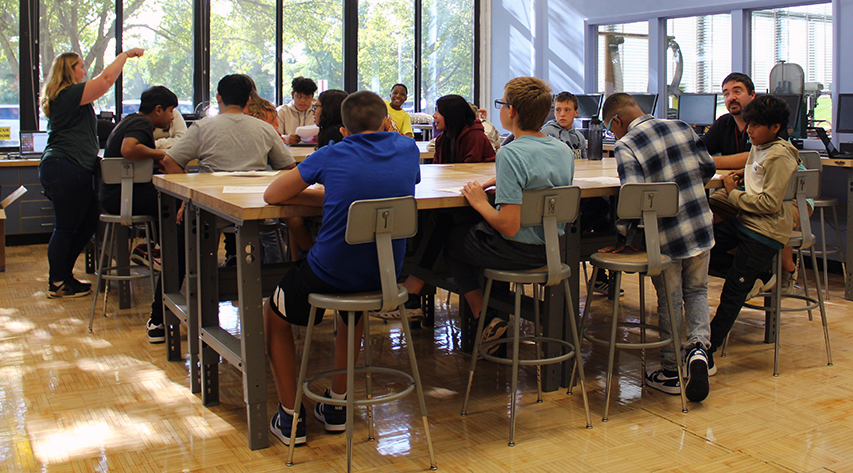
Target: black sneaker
[79,286]
[281,426]
[603,288]
[664,381]
[66,290]
[495,329]
[413,310]
[697,386]
[156,333]
[333,417]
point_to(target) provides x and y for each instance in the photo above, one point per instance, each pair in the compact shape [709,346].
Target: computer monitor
[589,105]
[647,102]
[697,109]
[844,118]
[33,143]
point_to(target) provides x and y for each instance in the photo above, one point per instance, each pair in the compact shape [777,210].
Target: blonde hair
[531,98]
[61,76]
[262,108]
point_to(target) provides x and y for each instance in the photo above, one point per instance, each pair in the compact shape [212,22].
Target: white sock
[286,410]
[336,396]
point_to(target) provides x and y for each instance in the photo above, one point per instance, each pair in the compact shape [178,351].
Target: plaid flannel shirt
[656,150]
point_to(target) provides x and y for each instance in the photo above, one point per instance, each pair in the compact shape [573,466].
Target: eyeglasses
[315,107]
[499,104]
[610,122]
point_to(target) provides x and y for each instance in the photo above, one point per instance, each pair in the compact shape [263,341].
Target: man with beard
[727,136]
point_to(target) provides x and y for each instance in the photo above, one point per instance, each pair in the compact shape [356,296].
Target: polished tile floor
[109,401]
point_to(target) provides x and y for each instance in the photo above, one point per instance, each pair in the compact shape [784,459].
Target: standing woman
[69,166]
[462,138]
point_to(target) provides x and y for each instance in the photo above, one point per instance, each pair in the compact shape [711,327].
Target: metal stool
[647,202]
[124,172]
[546,207]
[381,221]
[811,159]
[804,184]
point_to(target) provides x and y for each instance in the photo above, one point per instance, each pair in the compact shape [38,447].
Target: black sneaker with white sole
[413,310]
[68,289]
[697,385]
[156,333]
[664,381]
[281,426]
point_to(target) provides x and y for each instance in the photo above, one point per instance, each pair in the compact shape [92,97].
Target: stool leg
[643,322]
[111,247]
[369,379]
[801,268]
[840,249]
[407,331]
[98,272]
[578,359]
[516,348]
[150,254]
[822,312]
[725,346]
[611,353]
[583,321]
[825,252]
[676,341]
[350,384]
[777,313]
[536,327]
[476,351]
[297,404]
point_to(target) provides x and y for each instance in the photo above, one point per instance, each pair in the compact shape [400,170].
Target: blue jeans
[688,285]
[73,191]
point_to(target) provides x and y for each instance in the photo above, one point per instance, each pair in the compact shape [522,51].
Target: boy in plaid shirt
[655,150]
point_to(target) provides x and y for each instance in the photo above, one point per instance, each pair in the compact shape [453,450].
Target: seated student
[165,138]
[368,164]
[327,116]
[562,126]
[230,141]
[299,112]
[401,122]
[133,138]
[654,150]
[260,107]
[462,138]
[763,222]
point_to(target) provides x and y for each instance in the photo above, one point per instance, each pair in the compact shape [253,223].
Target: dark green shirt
[73,129]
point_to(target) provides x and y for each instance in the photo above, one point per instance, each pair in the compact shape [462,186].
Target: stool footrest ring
[812,303]
[361,402]
[627,345]
[528,362]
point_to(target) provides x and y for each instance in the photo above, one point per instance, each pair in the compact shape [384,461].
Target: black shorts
[292,292]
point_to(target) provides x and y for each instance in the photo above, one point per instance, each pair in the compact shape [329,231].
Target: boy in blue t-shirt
[533,160]
[370,163]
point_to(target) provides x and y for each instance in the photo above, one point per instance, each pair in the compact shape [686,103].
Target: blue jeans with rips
[688,285]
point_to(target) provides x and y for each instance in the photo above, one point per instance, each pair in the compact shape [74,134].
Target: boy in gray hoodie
[562,126]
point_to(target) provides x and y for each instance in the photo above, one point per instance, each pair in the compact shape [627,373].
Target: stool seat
[825,202]
[629,262]
[113,218]
[357,302]
[529,276]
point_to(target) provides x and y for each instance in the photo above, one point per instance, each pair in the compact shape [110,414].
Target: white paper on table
[308,132]
[452,191]
[245,173]
[608,181]
[243,189]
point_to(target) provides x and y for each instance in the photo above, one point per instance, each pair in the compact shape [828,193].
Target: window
[447,64]
[798,35]
[386,40]
[92,35]
[313,43]
[9,112]
[699,56]
[623,58]
[242,41]
[165,31]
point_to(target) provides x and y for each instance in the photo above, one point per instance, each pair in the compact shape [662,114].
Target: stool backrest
[381,221]
[126,172]
[804,185]
[548,207]
[649,202]
[811,160]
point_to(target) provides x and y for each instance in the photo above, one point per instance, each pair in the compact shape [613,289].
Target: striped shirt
[655,150]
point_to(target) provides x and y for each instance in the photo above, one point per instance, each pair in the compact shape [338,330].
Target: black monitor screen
[697,109]
[647,102]
[844,122]
[589,105]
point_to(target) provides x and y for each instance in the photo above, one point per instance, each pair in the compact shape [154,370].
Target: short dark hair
[531,98]
[303,85]
[767,110]
[330,101]
[615,103]
[742,78]
[157,95]
[400,85]
[235,89]
[567,97]
[363,111]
